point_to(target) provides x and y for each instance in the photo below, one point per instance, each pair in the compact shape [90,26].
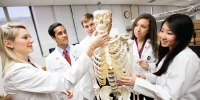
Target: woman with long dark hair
[178,68]
[145,47]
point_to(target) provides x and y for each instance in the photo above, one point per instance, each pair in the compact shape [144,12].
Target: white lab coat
[148,55]
[22,81]
[55,62]
[85,41]
[181,81]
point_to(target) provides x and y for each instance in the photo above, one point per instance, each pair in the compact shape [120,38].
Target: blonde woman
[24,79]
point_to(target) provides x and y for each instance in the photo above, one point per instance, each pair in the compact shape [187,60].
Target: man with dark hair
[61,59]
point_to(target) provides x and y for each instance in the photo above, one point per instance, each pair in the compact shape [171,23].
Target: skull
[102,20]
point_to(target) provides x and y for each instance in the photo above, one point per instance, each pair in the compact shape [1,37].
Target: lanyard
[140,51]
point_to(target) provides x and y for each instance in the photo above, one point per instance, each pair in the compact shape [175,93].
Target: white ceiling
[5,3]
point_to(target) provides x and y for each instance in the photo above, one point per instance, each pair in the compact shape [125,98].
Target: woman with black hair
[178,68]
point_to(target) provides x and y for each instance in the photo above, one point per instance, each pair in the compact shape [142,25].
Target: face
[89,26]
[22,43]
[141,28]
[167,37]
[61,37]
[102,20]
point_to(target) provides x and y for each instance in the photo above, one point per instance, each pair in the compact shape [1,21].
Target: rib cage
[119,61]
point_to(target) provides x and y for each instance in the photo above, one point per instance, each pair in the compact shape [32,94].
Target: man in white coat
[89,26]
[56,62]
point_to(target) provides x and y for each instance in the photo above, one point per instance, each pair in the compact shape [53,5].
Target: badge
[148,58]
[73,55]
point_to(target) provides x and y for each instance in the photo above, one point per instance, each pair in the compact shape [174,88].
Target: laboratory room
[100,49]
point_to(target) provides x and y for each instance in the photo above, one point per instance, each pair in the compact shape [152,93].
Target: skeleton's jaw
[102,29]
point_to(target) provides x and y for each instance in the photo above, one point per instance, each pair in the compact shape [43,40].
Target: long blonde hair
[8,32]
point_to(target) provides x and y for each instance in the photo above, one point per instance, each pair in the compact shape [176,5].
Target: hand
[97,41]
[110,24]
[69,94]
[128,81]
[143,64]
[119,83]
[141,76]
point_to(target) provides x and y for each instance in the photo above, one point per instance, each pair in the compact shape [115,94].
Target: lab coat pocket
[59,69]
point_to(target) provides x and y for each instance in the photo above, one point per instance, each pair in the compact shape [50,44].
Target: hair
[52,27]
[86,17]
[152,33]
[8,57]
[182,26]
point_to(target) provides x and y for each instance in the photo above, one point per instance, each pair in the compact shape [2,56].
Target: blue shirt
[61,51]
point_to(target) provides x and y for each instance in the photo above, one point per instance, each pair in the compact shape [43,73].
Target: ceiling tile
[63,2]
[82,1]
[41,2]
[15,2]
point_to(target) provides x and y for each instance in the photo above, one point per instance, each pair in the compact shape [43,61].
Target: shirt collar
[61,50]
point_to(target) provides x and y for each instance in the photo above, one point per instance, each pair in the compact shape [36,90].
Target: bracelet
[91,47]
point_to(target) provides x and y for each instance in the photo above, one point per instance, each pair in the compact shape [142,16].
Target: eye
[105,16]
[92,24]
[97,17]
[86,26]
[170,33]
[25,37]
[59,33]
[143,27]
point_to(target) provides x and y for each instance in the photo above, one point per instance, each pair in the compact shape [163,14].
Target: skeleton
[110,60]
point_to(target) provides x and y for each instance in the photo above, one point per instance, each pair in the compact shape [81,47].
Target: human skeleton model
[110,60]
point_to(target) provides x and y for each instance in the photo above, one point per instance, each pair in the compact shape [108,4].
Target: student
[89,26]
[178,67]
[57,62]
[145,47]
[24,79]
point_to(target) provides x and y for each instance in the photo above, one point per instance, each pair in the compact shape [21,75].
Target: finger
[138,61]
[67,93]
[70,96]
[94,33]
[138,75]
[131,74]
[124,78]
[104,35]
[142,60]
[106,43]
[121,81]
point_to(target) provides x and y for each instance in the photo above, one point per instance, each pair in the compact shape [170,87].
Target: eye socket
[105,16]
[97,17]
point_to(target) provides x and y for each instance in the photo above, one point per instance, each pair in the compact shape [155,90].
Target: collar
[61,50]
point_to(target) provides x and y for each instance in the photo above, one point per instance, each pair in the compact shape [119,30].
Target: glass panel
[3,19]
[22,15]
